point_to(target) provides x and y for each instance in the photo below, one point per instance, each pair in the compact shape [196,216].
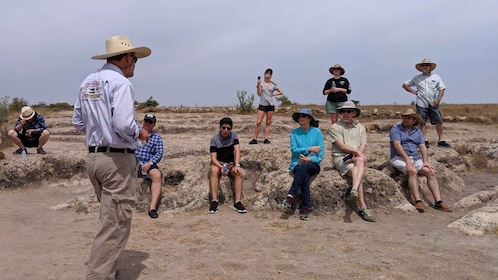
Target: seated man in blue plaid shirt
[149,155]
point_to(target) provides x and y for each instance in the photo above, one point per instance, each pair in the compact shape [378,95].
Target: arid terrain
[43,239]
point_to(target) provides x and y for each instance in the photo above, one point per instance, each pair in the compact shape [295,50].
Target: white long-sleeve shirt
[104,109]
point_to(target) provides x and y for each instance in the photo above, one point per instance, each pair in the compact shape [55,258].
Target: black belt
[95,149]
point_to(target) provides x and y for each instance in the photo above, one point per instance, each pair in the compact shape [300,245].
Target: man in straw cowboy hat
[336,89]
[430,91]
[406,142]
[29,131]
[349,141]
[104,111]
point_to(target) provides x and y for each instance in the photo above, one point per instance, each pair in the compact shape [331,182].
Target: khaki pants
[114,178]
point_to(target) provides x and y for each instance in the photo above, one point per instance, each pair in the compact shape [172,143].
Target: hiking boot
[304,214]
[253,141]
[427,144]
[41,151]
[266,141]
[287,204]
[214,207]
[443,144]
[366,215]
[153,214]
[419,206]
[19,151]
[239,207]
[353,195]
[442,206]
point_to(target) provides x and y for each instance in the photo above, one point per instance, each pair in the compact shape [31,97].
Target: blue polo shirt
[409,140]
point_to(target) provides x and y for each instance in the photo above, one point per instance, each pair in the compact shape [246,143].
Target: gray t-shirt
[266,98]
[223,147]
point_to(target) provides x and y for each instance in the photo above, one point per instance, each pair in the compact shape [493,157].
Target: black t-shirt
[223,147]
[340,83]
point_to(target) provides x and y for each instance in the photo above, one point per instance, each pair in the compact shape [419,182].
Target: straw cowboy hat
[27,113]
[413,114]
[349,105]
[425,61]
[337,66]
[305,111]
[120,44]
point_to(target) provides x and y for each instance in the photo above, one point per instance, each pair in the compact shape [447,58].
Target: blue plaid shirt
[152,151]
[37,123]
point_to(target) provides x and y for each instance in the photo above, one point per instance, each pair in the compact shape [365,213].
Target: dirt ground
[40,243]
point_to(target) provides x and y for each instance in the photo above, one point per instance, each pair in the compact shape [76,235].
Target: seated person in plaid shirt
[149,155]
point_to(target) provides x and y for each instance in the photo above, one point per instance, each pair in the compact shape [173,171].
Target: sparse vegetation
[245,102]
[284,100]
[150,103]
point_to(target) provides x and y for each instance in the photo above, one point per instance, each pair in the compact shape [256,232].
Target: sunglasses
[134,57]
[346,111]
[302,116]
[426,64]
[148,121]
[226,128]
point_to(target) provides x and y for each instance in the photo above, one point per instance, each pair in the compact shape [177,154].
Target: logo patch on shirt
[91,90]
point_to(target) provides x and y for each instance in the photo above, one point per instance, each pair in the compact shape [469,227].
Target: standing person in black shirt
[336,90]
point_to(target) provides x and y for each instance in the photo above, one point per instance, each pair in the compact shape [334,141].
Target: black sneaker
[253,141]
[214,207]
[443,144]
[427,144]
[239,207]
[266,141]
[19,151]
[153,214]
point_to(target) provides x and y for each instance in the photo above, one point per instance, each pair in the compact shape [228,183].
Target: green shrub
[149,103]
[284,100]
[17,104]
[245,102]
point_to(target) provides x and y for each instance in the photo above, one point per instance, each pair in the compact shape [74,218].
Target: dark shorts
[153,166]
[434,114]
[268,108]
[31,141]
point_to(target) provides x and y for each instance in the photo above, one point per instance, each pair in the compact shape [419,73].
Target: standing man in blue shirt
[104,111]
[430,91]
[307,150]
[149,155]
[406,141]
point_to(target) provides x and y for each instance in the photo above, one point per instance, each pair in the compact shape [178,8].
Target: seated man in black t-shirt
[225,161]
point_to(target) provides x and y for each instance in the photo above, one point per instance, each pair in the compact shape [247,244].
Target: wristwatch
[237,164]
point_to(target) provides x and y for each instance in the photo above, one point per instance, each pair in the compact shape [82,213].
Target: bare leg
[13,137]
[237,184]
[269,116]
[439,130]
[430,174]
[155,188]
[214,181]
[422,127]
[43,138]
[333,117]
[259,121]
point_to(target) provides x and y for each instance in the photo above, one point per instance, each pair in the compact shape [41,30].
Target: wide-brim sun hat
[349,105]
[27,113]
[117,45]
[410,112]
[337,66]
[425,61]
[305,111]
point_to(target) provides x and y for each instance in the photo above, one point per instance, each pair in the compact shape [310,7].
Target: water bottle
[333,84]
[23,154]
[225,169]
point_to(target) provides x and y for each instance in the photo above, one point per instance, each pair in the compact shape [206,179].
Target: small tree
[245,103]
[4,116]
[17,104]
[149,103]
[284,100]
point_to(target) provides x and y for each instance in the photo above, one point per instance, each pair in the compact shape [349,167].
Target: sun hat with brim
[120,44]
[413,114]
[27,113]
[337,66]
[425,61]
[349,105]
[305,111]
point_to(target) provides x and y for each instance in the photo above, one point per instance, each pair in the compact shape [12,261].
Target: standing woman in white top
[266,90]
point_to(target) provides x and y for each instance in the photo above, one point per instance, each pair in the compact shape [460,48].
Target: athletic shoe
[419,206]
[253,141]
[442,206]
[443,144]
[19,151]
[214,207]
[266,141]
[287,204]
[304,214]
[153,214]
[239,207]
[366,215]
[353,195]
[41,151]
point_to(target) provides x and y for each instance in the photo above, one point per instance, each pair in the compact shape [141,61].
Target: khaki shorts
[343,167]
[331,107]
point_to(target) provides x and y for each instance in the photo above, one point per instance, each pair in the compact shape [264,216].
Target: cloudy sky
[203,52]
